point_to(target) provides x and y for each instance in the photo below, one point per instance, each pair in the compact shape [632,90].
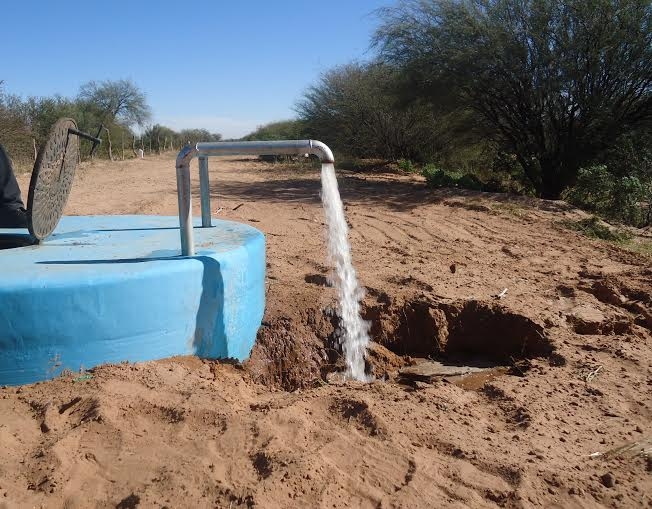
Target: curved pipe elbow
[185,155]
[322,151]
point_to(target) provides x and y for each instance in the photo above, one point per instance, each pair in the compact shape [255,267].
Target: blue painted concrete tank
[114,288]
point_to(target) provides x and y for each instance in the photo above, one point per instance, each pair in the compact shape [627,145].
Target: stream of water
[355,331]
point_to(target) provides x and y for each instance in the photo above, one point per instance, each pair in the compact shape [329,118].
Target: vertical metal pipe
[185,210]
[205,191]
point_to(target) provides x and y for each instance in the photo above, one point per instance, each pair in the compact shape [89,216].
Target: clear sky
[227,66]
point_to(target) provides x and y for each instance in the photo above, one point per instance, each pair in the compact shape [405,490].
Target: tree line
[541,95]
[116,111]
[551,98]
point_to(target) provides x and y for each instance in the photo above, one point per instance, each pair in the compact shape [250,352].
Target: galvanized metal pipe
[185,210]
[184,197]
[205,192]
[282,147]
[205,150]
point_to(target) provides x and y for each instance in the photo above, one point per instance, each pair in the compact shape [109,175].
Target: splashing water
[355,336]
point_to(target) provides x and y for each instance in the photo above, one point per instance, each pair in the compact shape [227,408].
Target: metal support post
[205,191]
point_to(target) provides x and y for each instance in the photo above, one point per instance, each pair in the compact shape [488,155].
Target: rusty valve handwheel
[52,177]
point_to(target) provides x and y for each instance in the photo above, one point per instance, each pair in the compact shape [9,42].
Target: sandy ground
[569,345]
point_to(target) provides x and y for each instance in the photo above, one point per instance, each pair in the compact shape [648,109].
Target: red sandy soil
[572,339]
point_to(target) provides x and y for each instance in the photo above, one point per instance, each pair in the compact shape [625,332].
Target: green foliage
[642,247]
[356,109]
[623,198]
[115,105]
[113,101]
[26,123]
[437,178]
[197,136]
[161,137]
[406,165]
[470,181]
[518,95]
[592,189]
[553,82]
[595,228]
[282,130]
[363,165]
[14,135]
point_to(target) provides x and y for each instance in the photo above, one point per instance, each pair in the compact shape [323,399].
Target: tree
[281,130]
[198,135]
[556,82]
[355,110]
[25,123]
[160,136]
[120,101]
[40,113]
[15,135]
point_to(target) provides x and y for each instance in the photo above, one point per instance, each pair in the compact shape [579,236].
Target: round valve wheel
[52,178]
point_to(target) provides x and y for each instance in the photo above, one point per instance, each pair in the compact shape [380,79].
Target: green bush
[497,185]
[406,165]
[282,130]
[436,177]
[595,228]
[622,198]
[470,181]
[592,190]
[552,83]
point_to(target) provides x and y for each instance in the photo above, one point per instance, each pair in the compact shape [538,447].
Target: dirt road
[568,344]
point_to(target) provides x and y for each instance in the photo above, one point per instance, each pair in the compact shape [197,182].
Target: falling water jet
[355,331]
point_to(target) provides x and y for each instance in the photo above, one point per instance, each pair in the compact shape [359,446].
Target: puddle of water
[475,381]
[468,377]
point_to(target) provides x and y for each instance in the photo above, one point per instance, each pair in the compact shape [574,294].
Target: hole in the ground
[317,279]
[465,330]
[302,351]
[465,342]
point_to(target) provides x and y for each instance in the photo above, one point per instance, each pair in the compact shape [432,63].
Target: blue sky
[226,66]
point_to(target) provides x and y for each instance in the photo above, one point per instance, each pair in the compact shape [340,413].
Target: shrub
[436,177]
[622,198]
[470,181]
[595,228]
[406,165]
[553,82]
[592,190]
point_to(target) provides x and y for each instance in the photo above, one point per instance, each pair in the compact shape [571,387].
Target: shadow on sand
[379,190]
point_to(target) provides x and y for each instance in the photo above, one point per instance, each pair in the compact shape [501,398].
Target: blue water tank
[107,289]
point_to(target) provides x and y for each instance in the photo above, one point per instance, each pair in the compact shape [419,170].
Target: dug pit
[453,338]
[459,330]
